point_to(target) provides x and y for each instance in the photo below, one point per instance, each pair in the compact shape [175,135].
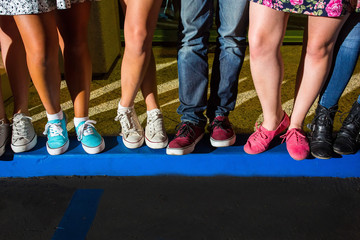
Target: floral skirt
[21,7]
[324,8]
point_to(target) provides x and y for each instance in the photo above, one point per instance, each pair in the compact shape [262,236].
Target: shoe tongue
[17,116]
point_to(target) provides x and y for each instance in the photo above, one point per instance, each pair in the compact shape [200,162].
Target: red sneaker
[260,140]
[296,143]
[221,132]
[185,139]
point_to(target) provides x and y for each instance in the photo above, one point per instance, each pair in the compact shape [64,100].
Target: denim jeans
[196,19]
[346,54]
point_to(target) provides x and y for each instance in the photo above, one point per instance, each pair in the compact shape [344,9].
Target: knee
[138,41]
[318,49]
[261,45]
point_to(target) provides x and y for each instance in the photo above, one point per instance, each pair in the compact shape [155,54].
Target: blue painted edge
[117,160]
[79,215]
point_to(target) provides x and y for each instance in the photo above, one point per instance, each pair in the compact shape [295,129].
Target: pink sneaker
[221,132]
[296,143]
[185,139]
[260,140]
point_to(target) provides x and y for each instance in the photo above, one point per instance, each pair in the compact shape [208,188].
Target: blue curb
[117,160]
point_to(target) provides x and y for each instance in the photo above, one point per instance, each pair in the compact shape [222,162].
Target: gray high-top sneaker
[23,134]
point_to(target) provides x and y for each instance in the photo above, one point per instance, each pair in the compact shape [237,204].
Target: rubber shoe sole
[57,151]
[133,145]
[94,150]
[156,145]
[183,151]
[223,143]
[26,147]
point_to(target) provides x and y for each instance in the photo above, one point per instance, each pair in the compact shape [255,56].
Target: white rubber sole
[24,148]
[223,143]
[156,145]
[183,151]
[57,151]
[94,150]
[133,145]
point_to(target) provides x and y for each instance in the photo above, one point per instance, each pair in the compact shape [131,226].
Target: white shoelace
[54,129]
[86,129]
[19,127]
[155,124]
[128,125]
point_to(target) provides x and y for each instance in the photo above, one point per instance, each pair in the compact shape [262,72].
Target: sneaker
[58,141]
[221,132]
[296,143]
[321,140]
[155,133]
[23,134]
[91,140]
[186,138]
[260,140]
[4,135]
[131,131]
[345,142]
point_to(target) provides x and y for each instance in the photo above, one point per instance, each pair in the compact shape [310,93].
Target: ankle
[273,123]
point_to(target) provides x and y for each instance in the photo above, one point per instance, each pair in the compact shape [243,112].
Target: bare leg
[72,25]
[14,58]
[265,60]
[313,69]
[138,64]
[2,108]
[41,44]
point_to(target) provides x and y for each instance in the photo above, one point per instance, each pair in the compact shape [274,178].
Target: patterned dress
[324,8]
[20,7]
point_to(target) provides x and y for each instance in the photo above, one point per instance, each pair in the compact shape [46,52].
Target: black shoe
[345,142]
[321,132]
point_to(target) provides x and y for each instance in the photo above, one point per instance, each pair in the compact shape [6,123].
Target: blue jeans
[346,54]
[196,19]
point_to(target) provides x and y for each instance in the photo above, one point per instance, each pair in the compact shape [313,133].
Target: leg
[265,60]
[232,19]
[315,67]
[41,44]
[139,27]
[73,24]
[195,22]
[149,86]
[14,58]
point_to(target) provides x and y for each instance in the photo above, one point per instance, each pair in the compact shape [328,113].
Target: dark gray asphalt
[187,207]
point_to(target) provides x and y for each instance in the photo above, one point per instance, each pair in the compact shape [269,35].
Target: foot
[345,142]
[321,140]
[260,140]
[131,131]
[23,134]
[296,143]
[91,140]
[5,133]
[185,140]
[155,133]
[58,140]
[221,132]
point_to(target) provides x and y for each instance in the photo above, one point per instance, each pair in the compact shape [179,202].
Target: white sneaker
[4,135]
[23,134]
[131,131]
[155,133]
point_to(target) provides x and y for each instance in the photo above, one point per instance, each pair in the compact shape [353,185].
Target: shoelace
[355,119]
[221,124]
[19,128]
[258,133]
[126,121]
[323,119]
[155,123]
[184,129]
[299,137]
[2,122]
[53,129]
[86,129]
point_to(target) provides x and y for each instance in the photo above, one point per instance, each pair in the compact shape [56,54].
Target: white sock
[120,107]
[77,121]
[152,110]
[55,116]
